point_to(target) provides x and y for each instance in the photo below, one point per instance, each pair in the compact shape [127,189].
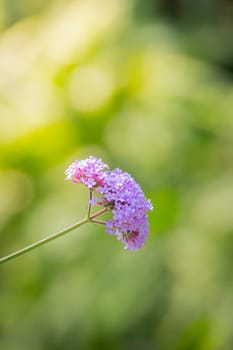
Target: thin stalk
[98,213]
[42,241]
[51,237]
[101,222]
[89,205]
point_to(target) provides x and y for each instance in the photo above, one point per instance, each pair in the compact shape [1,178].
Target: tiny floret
[120,194]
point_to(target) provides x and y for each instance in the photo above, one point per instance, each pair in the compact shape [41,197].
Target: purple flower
[117,191]
[129,207]
[89,172]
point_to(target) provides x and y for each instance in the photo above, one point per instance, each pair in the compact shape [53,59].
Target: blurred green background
[147,86]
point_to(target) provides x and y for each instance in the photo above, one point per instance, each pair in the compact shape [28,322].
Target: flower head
[117,191]
[129,208]
[89,172]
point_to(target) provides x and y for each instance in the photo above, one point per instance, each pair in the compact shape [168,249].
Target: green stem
[50,238]
[98,213]
[89,204]
[101,222]
[42,241]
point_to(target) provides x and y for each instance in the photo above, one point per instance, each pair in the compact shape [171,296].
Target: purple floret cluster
[117,191]
[89,172]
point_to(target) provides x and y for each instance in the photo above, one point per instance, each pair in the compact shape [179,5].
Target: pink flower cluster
[89,172]
[117,191]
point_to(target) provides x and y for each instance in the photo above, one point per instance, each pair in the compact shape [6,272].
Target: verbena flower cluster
[117,191]
[89,172]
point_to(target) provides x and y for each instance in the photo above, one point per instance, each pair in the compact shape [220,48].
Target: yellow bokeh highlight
[90,88]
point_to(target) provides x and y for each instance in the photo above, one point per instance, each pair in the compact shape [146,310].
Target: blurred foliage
[147,86]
